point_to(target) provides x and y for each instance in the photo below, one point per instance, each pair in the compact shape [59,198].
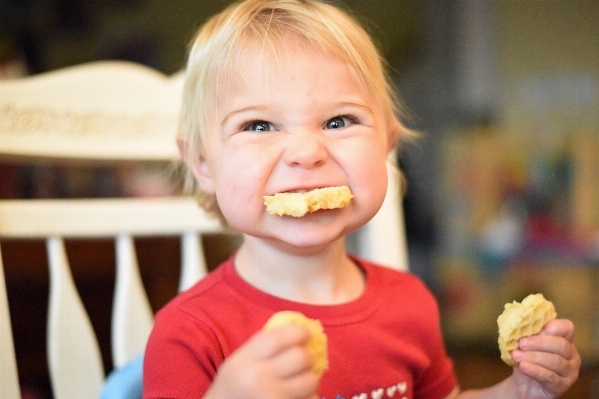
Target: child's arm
[548,365]
[272,364]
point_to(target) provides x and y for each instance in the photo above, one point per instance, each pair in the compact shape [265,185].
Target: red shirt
[385,344]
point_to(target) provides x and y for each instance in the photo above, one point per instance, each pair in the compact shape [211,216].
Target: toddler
[288,96]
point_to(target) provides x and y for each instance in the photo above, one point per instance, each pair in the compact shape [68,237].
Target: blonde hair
[220,42]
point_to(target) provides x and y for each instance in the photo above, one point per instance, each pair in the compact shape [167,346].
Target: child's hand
[548,363]
[271,364]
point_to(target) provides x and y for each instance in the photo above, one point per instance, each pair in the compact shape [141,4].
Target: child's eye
[258,126]
[338,122]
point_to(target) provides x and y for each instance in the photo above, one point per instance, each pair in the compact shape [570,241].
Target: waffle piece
[521,320]
[299,204]
[317,346]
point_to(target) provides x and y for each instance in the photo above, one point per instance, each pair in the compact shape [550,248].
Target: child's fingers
[302,385]
[559,327]
[547,361]
[293,361]
[550,344]
[549,380]
[554,382]
[267,343]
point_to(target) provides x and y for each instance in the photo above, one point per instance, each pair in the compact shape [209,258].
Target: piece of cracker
[317,345]
[299,204]
[521,320]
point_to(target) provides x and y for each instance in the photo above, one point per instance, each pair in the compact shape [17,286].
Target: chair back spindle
[75,362]
[9,380]
[193,262]
[132,316]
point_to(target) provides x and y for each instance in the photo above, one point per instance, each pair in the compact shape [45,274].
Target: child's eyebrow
[241,110]
[364,108]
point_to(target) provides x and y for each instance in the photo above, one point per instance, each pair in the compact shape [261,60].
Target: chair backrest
[113,111]
[108,111]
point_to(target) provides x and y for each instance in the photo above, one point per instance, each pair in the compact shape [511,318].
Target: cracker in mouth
[299,204]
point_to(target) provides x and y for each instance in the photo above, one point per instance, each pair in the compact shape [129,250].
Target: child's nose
[305,150]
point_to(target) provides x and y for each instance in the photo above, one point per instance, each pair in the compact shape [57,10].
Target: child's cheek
[373,183]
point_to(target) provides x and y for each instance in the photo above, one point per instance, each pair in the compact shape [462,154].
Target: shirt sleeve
[438,379]
[181,357]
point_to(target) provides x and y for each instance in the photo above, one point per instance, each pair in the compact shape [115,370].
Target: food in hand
[521,320]
[299,204]
[317,345]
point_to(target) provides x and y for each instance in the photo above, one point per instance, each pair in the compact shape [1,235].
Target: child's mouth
[299,202]
[299,191]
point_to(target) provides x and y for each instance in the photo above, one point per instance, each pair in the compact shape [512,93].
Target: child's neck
[328,276]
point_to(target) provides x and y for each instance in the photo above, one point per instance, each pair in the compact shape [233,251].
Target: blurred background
[503,185]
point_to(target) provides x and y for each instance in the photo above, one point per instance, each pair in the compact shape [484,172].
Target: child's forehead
[274,58]
[260,61]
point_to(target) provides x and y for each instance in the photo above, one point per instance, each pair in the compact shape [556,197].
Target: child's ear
[198,166]
[394,128]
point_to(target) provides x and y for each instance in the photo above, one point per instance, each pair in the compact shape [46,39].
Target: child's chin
[308,241]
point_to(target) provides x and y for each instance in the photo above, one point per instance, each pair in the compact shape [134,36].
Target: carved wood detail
[40,121]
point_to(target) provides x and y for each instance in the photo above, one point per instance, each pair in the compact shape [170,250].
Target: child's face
[294,123]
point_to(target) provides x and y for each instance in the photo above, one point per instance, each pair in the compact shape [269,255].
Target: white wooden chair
[112,111]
